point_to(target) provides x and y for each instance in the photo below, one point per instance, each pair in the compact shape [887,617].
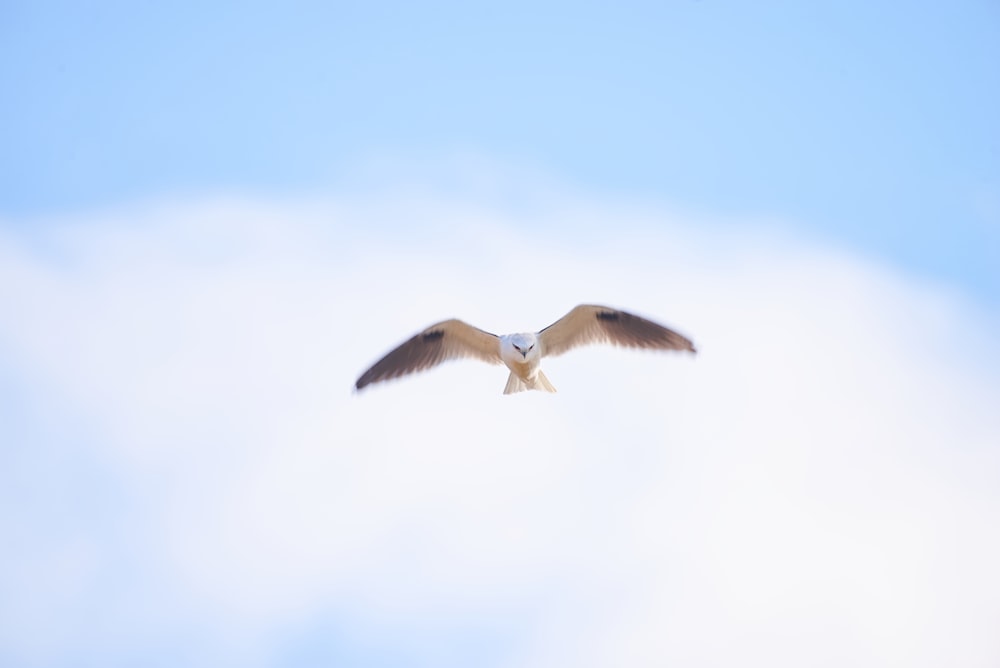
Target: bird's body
[522,353]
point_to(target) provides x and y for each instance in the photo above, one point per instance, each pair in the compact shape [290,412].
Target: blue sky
[213,217]
[867,124]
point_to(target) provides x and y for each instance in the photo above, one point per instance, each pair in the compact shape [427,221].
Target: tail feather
[542,383]
[539,382]
[514,384]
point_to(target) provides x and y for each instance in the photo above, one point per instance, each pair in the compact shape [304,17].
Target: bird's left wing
[446,340]
[588,324]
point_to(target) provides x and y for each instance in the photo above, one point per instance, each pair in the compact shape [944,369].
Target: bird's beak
[524,353]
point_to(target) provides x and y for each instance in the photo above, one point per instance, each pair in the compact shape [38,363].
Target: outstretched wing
[588,324]
[446,340]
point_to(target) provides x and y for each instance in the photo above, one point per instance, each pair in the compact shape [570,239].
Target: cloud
[191,476]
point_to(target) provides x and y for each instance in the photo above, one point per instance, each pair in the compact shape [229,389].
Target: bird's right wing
[451,339]
[587,324]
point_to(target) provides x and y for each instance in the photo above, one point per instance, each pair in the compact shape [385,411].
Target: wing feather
[588,324]
[451,339]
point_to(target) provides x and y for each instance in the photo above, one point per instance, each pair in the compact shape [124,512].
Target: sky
[869,124]
[214,218]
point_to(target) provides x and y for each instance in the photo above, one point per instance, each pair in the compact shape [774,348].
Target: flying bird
[522,353]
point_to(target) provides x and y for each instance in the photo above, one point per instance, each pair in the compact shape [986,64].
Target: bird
[522,353]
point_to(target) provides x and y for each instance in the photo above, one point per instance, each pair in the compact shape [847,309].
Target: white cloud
[819,486]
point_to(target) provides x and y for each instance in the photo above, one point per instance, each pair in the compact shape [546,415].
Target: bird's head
[521,347]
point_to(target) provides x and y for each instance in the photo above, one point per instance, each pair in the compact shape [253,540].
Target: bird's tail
[542,383]
[539,382]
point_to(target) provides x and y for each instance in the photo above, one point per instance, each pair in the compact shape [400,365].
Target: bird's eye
[531,346]
[516,347]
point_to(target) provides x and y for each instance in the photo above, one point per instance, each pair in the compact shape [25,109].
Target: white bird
[585,324]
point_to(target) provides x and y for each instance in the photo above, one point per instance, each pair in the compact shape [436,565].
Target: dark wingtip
[361,383]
